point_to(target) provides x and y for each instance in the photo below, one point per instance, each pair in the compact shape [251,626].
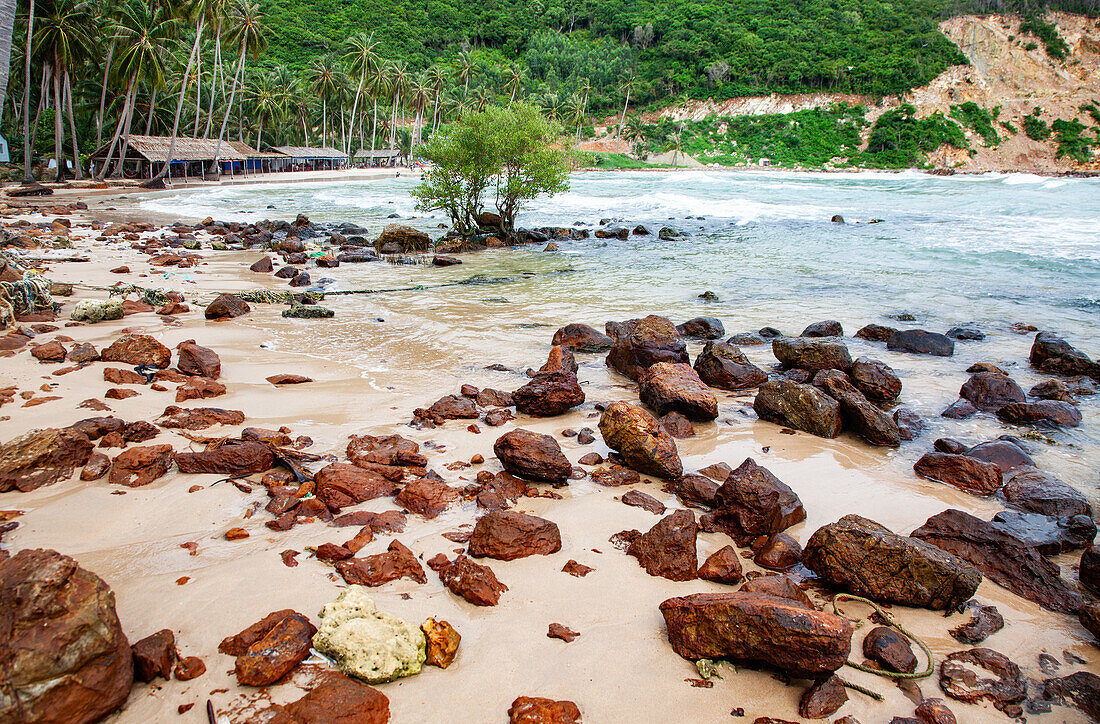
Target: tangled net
[153,297]
[26,296]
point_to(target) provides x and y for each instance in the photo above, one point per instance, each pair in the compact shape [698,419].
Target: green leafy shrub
[1036,128]
[1048,33]
[1071,140]
[974,117]
[899,139]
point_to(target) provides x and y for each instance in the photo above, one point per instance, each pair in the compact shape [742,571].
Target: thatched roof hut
[305,153]
[155,149]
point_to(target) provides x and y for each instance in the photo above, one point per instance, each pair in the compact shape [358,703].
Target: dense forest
[87,74]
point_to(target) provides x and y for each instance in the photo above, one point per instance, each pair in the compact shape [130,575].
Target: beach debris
[920,341]
[675,387]
[668,548]
[722,566]
[641,343]
[582,338]
[507,535]
[726,367]
[472,581]
[752,502]
[639,438]
[308,311]
[64,674]
[783,633]
[366,643]
[800,406]
[532,456]
[1008,561]
[537,710]
[859,556]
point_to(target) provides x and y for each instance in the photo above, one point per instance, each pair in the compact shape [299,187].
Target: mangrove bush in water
[499,155]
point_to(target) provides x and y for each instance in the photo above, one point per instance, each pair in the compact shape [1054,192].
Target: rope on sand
[26,296]
[880,672]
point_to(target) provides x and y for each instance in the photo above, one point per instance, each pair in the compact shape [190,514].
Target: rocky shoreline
[498,514]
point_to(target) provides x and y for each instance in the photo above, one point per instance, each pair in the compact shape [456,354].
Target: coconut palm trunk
[103,95]
[77,172]
[191,60]
[102,172]
[229,107]
[58,122]
[27,177]
[622,119]
[7,28]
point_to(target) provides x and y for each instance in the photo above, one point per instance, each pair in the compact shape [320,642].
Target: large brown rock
[532,456]
[803,407]
[875,379]
[138,466]
[1004,454]
[645,342]
[365,450]
[193,359]
[919,341]
[63,655]
[472,581]
[454,407]
[582,338]
[198,418]
[137,349]
[702,328]
[722,566]
[506,535]
[961,677]
[1089,573]
[823,698]
[42,457]
[538,710]
[1054,355]
[154,656]
[990,391]
[873,425]
[339,485]
[668,548]
[234,459]
[397,562]
[752,502]
[1048,534]
[1054,412]
[812,354]
[426,497]
[549,394]
[726,367]
[238,643]
[227,306]
[336,699]
[860,556]
[1007,560]
[960,471]
[402,239]
[639,438]
[275,655]
[673,387]
[755,627]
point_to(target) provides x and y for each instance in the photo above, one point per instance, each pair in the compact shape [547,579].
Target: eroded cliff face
[1002,72]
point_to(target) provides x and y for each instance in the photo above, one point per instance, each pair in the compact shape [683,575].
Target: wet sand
[621,668]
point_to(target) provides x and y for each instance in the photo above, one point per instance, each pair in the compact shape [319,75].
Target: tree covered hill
[673,48]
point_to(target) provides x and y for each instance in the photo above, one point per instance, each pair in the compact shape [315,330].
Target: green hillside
[674,48]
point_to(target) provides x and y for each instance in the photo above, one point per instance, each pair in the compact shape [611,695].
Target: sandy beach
[404,351]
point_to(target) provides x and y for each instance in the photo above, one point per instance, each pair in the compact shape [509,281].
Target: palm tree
[362,59]
[419,90]
[219,11]
[399,82]
[464,67]
[144,33]
[27,177]
[246,30]
[437,78]
[376,85]
[635,130]
[574,111]
[268,103]
[7,29]
[482,98]
[627,86]
[64,37]
[515,78]
[323,83]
